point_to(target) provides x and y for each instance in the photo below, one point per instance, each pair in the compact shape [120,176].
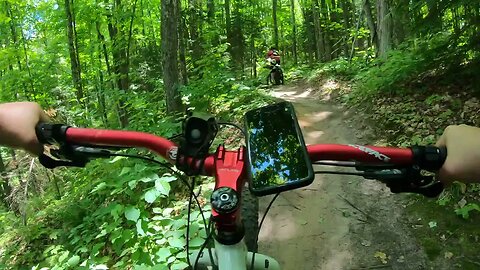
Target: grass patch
[445,235]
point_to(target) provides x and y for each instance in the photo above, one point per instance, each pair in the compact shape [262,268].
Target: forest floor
[338,222]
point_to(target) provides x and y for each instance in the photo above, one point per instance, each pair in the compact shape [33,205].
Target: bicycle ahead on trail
[275,159]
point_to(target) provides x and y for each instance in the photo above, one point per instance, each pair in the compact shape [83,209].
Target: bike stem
[226,197]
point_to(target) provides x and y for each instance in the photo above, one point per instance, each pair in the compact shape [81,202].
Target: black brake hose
[209,237]
[260,226]
[187,238]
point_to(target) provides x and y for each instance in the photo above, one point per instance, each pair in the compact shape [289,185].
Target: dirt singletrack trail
[338,222]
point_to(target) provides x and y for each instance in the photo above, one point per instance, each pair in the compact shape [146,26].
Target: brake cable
[260,227]
[207,228]
[210,230]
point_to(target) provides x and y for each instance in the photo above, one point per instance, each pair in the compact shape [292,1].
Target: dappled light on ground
[314,134]
[328,88]
[319,116]
[299,92]
[330,85]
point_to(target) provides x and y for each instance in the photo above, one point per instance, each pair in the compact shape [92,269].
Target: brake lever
[407,180]
[430,187]
[72,156]
[51,163]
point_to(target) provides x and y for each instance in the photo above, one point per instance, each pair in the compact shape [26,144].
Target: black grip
[430,158]
[48,133]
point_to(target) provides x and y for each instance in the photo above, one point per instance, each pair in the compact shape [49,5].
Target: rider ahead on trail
[273,54]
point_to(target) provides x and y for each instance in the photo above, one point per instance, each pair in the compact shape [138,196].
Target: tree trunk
[367,8]
[356,40]
[385,28]
[130,34]
[120,57]
[237,41]
[228,21]
[169,55]
[275,23]
[294,32]
[100,86]
[434,18]
[211,10]
[326,33]
[253,56]
[182,28]
[5,188]
[25,55]
[27,66]
[195,43]
[74,60]
[103,44]
[319,44]
[400,21]
[13,32]
[346,6]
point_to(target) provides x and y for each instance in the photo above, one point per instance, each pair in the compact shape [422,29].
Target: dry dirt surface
[338,222]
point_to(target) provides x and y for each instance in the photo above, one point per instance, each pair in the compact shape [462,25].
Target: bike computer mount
[198,132]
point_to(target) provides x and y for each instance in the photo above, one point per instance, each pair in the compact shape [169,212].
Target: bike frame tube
[232,257]
[235,257]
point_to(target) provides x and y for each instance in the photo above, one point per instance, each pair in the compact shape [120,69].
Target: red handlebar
[167,149]
[160,145]
[366,154]
[228,167]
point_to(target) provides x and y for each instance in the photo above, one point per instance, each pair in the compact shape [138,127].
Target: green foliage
[465,210]
[109,221]
[125,213]
[217,89]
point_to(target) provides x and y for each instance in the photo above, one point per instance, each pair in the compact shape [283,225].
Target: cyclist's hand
[17,125]
[463,154]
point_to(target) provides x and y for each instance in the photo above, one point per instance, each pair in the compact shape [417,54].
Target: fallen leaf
[462,202]
[366,243]
[463,187]
[448,255]
[381,256]
[432,224]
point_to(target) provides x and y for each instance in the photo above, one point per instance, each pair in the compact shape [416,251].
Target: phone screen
[277,156]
